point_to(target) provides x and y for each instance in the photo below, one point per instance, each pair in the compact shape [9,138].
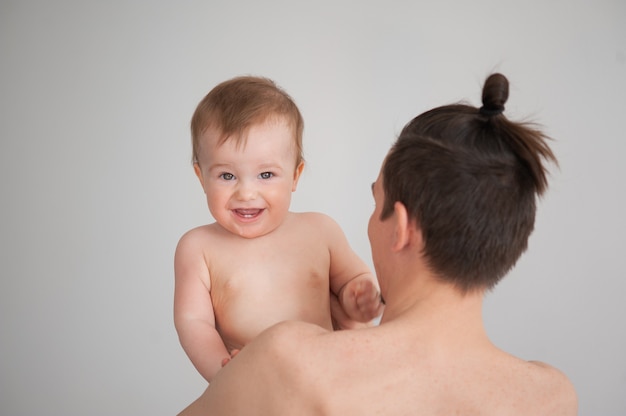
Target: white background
[96,183]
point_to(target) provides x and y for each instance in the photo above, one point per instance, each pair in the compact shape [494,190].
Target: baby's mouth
[248,213]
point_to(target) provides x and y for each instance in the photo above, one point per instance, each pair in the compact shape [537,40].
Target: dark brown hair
[235,105]
[469,177]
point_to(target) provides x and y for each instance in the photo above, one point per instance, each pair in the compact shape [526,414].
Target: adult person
[455,205]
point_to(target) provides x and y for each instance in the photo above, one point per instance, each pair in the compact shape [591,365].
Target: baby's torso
[258,282]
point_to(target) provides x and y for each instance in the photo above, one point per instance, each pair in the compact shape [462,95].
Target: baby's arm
[193,310]
[352,283]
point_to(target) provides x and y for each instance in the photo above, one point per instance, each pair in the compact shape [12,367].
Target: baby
[259,264]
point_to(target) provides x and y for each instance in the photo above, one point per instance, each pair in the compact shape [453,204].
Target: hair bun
[495,94]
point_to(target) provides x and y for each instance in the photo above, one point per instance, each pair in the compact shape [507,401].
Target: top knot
[495,94]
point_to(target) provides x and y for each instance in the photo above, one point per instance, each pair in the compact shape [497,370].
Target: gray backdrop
[97,186]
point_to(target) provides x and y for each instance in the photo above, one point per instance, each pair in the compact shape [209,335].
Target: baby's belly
[239,319]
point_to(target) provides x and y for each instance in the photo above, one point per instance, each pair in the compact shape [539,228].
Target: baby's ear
[196,168]
[296,175]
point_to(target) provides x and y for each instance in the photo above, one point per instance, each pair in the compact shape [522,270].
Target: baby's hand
[361,300]
[232,355]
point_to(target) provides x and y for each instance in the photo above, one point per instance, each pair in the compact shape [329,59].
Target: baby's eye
[266,175]
[227,176]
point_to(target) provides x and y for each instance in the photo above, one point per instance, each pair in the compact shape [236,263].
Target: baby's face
[248,186]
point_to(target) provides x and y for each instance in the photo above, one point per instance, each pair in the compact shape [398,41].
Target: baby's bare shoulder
[202,242]
[202,235]
[317,221]
[313,216]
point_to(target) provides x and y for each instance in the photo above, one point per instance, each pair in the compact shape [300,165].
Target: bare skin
[235,300]
[260,264]
[430,355]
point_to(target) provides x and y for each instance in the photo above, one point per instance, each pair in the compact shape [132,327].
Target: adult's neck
[436,309]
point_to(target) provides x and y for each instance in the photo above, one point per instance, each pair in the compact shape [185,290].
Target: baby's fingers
[370,303]
[226,360]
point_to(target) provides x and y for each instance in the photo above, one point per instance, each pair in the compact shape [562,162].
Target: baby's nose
[246,191]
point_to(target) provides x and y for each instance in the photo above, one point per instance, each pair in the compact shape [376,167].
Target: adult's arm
[265,378]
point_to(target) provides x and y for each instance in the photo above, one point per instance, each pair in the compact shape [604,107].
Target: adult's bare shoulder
[558,392]
[287,342]
[268,376]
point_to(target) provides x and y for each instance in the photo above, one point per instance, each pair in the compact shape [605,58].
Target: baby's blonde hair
[235,105]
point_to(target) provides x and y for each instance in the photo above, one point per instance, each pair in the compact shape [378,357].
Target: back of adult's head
[470,178]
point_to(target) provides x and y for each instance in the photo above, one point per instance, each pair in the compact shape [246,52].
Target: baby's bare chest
[254,286]
[268,262]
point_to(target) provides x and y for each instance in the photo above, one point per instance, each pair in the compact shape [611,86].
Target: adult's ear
[406,231]
[404,227]
[296,175]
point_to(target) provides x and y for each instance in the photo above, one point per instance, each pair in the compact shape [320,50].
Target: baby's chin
[250,232]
